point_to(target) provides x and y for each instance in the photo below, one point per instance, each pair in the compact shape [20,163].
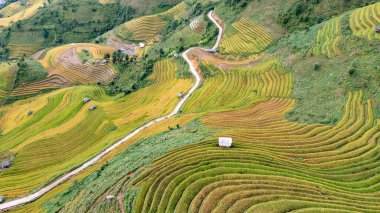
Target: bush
[316,67]
[351,71]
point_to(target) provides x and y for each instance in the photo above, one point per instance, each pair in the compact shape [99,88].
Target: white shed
[1,199]
[142,44]
[225,142]
[110,197]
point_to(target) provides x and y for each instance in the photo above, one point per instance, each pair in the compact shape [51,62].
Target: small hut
[225,142]
[176,55]
[377,30]
[86,100]
[142,44]
[1,199]
[92,107]
[211,50]
[30,112]
[110,197]
[180,95]
[5,165]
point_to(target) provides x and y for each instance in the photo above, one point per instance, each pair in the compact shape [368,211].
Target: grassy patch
[85,55]
[7,73]
[321,93]
[30,71]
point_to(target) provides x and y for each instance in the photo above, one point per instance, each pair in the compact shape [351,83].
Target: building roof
[86,100]
[1,199]
[92,107]
[225,142]
[110,197]
[5,164]
[180,95]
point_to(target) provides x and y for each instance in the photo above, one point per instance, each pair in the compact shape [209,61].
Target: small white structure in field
[92,107]
[180,95]
[225,142]
[86,100]
[110,197]
[377,30]
[142,44]
[1,199]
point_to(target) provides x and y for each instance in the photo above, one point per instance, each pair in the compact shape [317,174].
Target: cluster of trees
[29,71]
[120,58]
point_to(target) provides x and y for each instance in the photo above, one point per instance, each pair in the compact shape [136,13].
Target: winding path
[220,28]
[50,186]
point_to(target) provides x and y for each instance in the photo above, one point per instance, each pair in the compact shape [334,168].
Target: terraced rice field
[62,132]
[248,37]
[240,87]
[146,28]
[53,82]
[11,9]
[23,43]
[65,62]
[16,12]
[364,21]
[273,164]
[107,1]
[198,25]
[328,38]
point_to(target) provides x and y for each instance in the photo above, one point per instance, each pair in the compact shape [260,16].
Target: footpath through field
[44,190]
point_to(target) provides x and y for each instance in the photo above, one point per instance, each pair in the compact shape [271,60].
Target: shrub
[316,66]
[351,71]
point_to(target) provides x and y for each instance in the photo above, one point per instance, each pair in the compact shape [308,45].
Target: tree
[161,52]
[107,56]
[45,33]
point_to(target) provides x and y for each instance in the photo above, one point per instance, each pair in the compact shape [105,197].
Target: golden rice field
[364,21]
[11,9]
[248,37]
[273,164]
[65,62]
[23,43]
[146,28]
[241,87]
[107,1]
[53,82]
[328,38]
[16,12]
[62,132]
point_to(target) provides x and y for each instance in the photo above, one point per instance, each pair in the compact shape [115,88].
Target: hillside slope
[300,101]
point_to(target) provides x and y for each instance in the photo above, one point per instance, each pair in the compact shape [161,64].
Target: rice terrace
[189,106]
